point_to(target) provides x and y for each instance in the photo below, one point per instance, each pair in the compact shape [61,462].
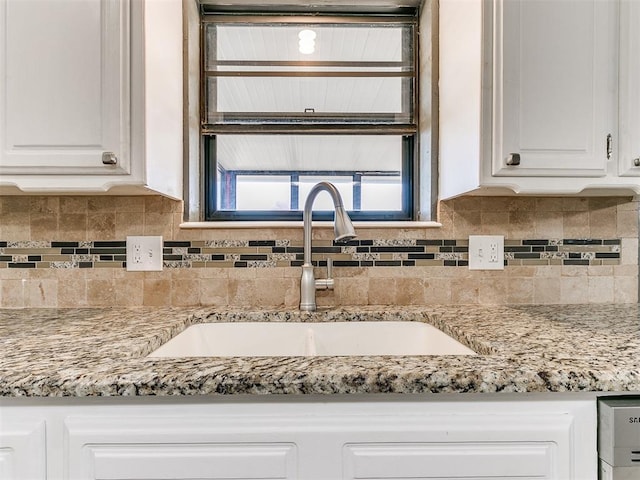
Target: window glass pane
[381,193]
[309,153]
[323,200]
[276,172]
[263,192]
[364,42]
[308,97]
[352,73]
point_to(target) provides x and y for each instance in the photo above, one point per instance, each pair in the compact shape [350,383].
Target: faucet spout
[343,231]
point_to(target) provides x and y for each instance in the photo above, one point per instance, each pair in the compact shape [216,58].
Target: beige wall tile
[521,291]
[129,291]
[351,291]
[382,291]
[242,292]
[601,289]
[467,203]
[101,292]
[158,224]
[571,204]
[157,292]
[72,226]
[103,204]
[493,291]
[549,204]
[74,205]
[185,292]
[549,224]
[270,292]
[15,226]
[42,292]
[13,293]
[129,204]
[101,226]
[464,291]
[547,290]
[627,223]
[574,271]
[72,288]
[214,291]
[410,291]
[625,271]
[576,224]
[129,223]
[45,205]
[160,204]
[521,271]
[15,204]
[522,223]
[574,290]
[438,291]
[600,271]
[495,223]
[467,222]
[603,222]
[44,226]
[629,251]
[495,204]
[625,289]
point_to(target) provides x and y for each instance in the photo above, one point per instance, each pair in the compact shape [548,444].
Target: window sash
[215,211]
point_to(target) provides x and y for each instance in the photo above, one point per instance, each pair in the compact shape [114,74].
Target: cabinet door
[450,460]
[195,447]
[629,158]
[555,87]
[463,446]
[64,73]
[22,448]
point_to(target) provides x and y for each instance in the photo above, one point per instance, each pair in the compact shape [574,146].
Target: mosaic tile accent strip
[282,253]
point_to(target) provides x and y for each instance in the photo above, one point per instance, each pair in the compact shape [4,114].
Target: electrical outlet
[486,252]
[144,254]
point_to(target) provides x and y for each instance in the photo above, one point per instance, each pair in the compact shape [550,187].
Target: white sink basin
[258,339]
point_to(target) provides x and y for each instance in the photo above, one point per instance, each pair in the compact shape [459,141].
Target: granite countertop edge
[102,352]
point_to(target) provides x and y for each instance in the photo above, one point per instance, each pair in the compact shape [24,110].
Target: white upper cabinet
[554,77]
[75,104]
[529,96]
[66,96]
[629,153]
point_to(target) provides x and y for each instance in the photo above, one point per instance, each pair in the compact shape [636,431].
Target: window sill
[298,224]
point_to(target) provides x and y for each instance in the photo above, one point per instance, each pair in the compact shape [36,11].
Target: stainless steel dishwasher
[619,438]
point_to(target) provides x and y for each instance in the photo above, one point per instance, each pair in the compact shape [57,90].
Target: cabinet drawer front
[194,461]
[441,460]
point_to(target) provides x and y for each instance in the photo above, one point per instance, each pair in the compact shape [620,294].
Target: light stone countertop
[101,352]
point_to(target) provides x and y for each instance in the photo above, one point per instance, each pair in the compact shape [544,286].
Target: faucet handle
[326,283]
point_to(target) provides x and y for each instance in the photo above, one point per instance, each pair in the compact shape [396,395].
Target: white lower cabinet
[201,446]
[22,447]
[365,438]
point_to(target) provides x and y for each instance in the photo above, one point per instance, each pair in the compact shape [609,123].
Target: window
[293,100]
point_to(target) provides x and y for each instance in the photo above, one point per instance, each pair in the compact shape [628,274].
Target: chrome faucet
[343,230]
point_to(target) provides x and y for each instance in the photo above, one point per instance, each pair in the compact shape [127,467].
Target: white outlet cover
[486,252]
[144,253]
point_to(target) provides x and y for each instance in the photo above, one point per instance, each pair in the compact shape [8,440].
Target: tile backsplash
[71,251]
